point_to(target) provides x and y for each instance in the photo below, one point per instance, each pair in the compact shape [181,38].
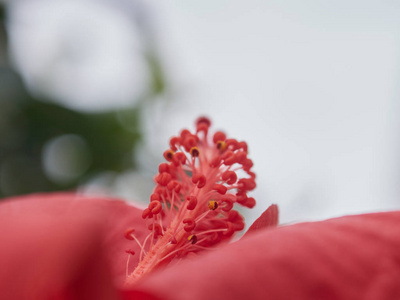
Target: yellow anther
[212,205]
[169,154]
[221,145]
[192,238]
[194,151]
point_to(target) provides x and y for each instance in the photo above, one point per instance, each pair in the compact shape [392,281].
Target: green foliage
[26,125]
[29,126]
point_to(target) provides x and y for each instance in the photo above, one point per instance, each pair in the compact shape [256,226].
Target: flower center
[191,208]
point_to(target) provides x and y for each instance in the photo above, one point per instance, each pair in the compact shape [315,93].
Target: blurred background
[91,91]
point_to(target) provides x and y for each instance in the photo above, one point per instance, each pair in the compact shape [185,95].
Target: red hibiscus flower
[63,246]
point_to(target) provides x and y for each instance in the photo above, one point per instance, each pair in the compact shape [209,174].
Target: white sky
[312,86]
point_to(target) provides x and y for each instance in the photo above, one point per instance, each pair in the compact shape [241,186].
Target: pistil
[191,208]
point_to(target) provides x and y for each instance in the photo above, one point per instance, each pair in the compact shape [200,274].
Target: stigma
[192,205]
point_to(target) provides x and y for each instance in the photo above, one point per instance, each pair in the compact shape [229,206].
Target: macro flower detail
[191,207]
[68,246]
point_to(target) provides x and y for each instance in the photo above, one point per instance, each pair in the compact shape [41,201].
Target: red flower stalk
[191,207]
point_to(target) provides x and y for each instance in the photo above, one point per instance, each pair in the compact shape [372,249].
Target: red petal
[53,246]
[354,257]
[269,218]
